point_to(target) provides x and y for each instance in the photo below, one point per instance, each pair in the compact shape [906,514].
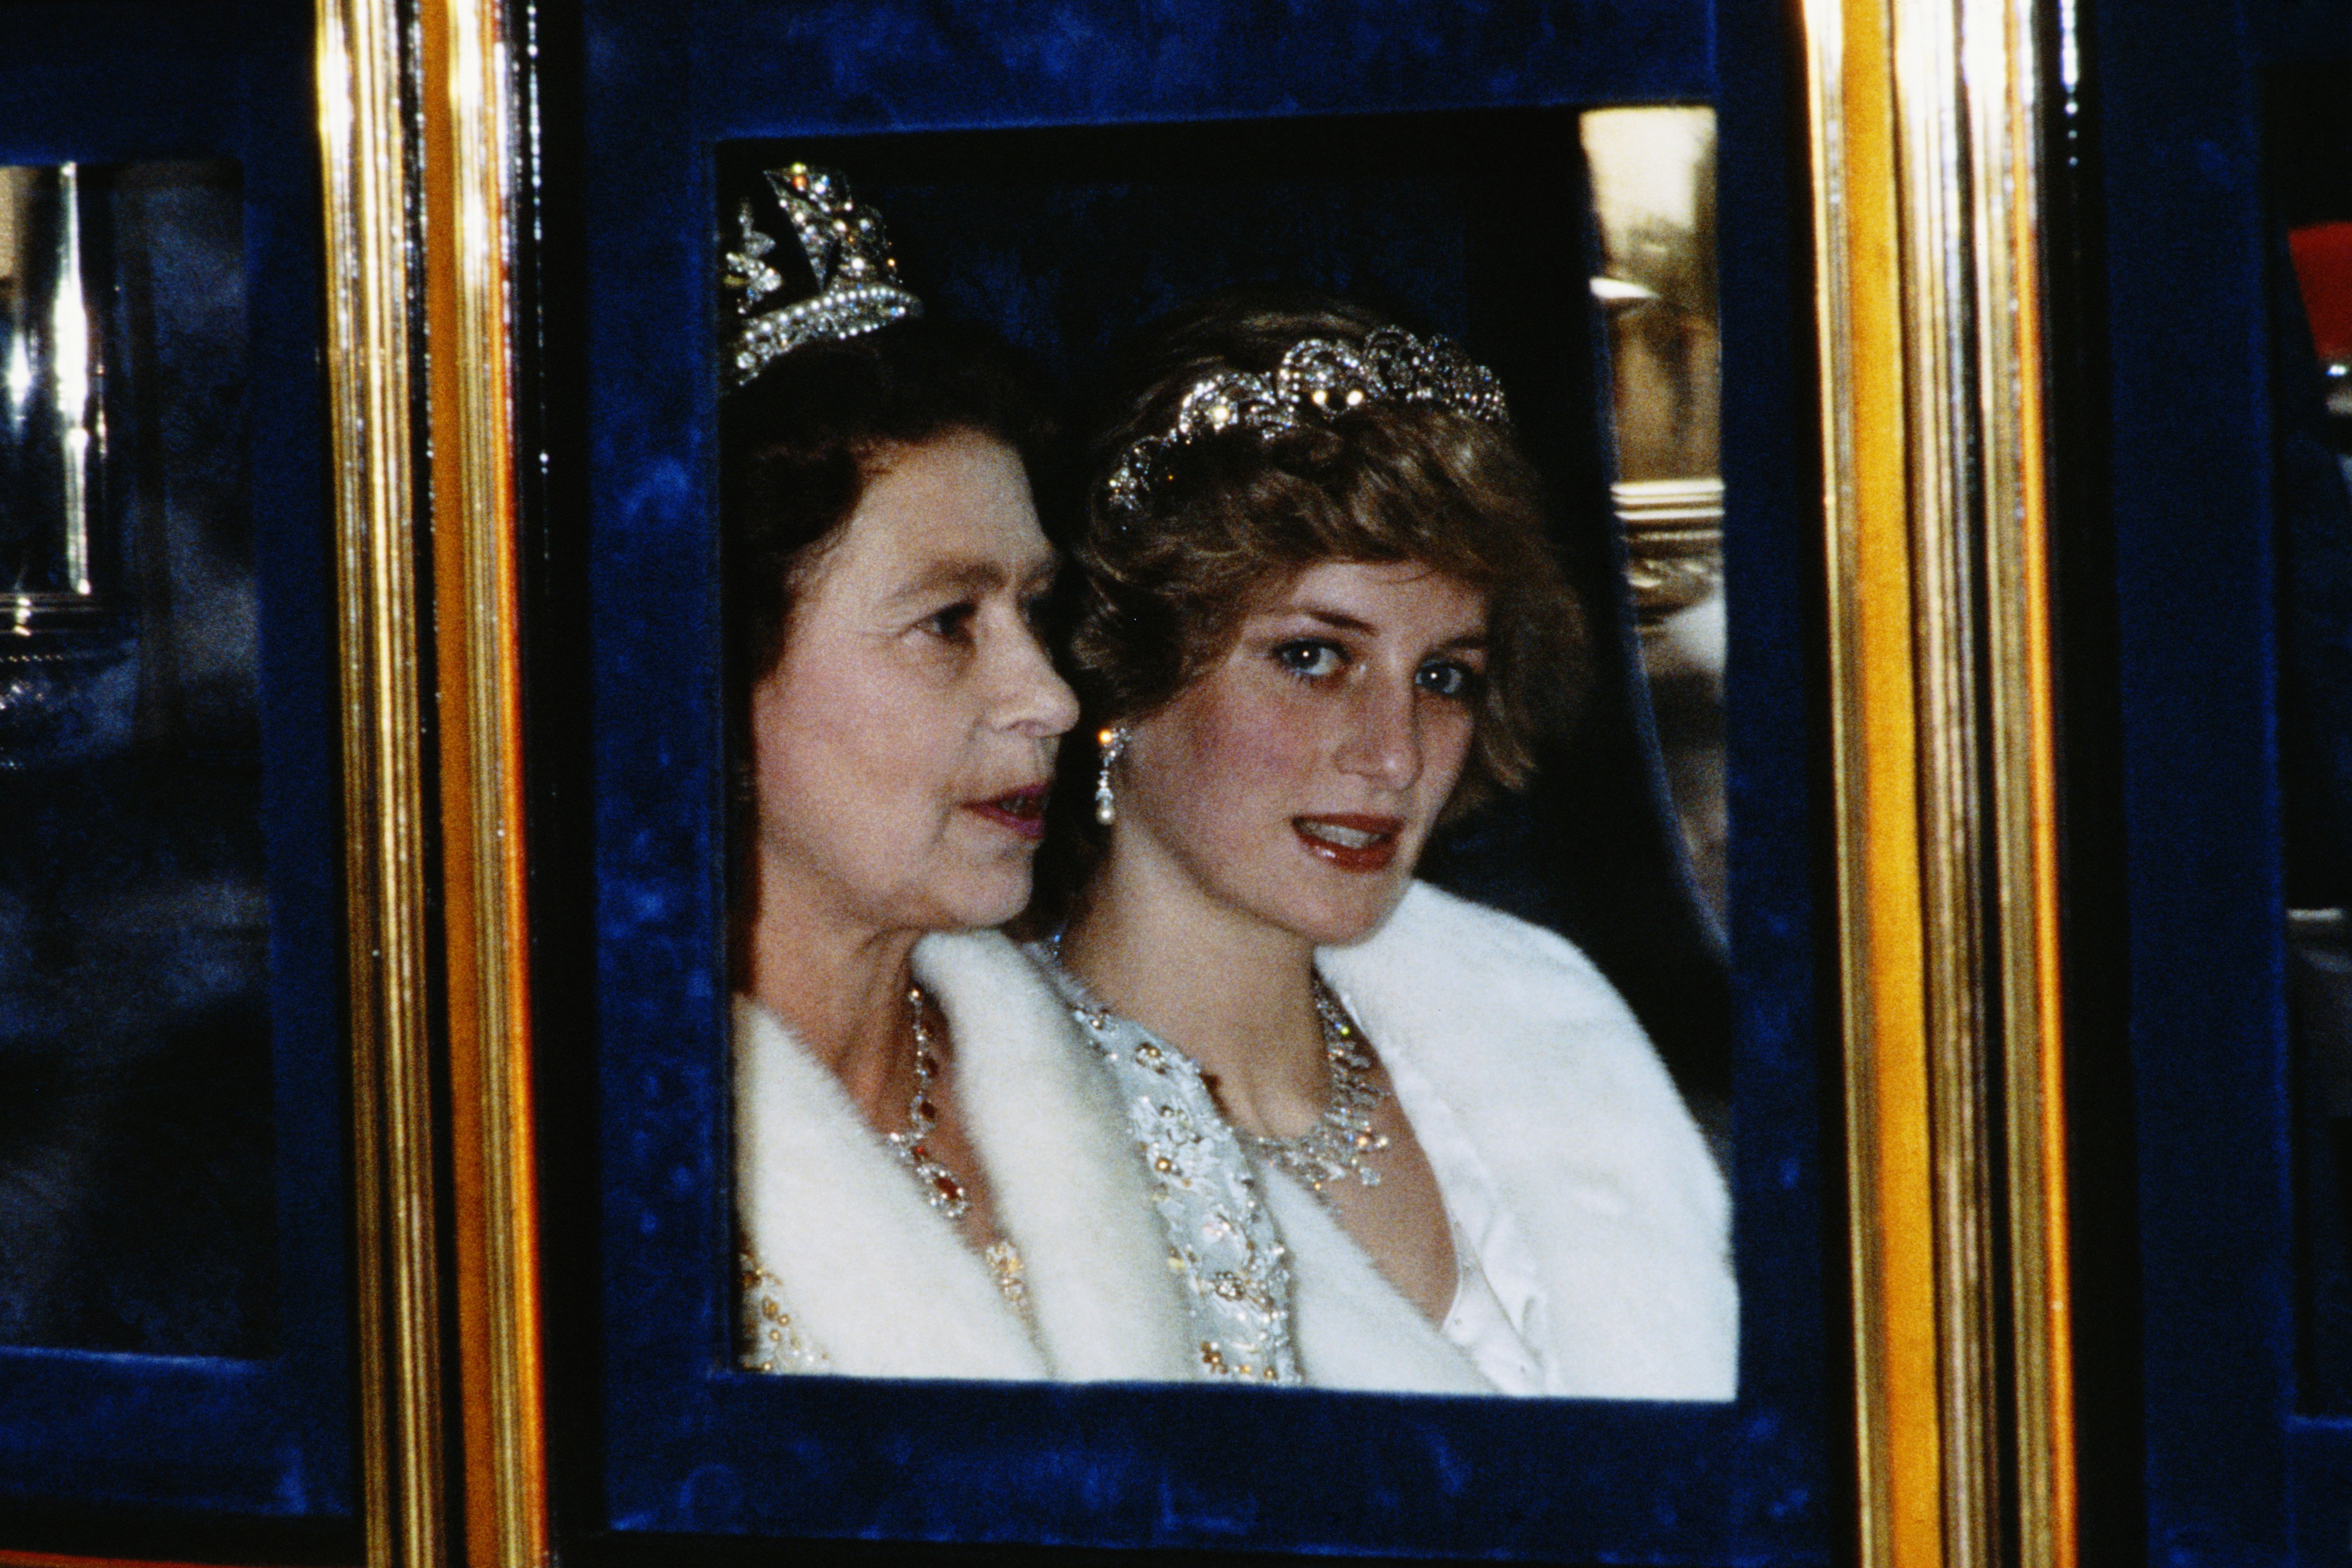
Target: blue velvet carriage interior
[197,1367]
[2231,603]
[1064,178]
[1383,127]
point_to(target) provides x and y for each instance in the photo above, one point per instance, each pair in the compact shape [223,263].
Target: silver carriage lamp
[63,620]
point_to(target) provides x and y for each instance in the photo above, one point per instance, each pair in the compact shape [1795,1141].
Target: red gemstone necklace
[942,1186]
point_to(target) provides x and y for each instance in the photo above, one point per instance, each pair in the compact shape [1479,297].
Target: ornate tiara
[1317,378]
[856,288]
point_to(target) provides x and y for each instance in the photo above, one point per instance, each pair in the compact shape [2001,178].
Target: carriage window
[136,1194]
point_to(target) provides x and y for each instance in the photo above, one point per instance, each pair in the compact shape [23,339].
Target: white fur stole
[883,1286]
[1587,1143]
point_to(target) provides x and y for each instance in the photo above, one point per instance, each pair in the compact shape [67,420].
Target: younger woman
[1399,1140]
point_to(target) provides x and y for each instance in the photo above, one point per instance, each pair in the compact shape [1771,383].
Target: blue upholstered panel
[2192,462]
[128,81]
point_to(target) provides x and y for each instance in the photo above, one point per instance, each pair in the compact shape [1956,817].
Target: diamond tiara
[857,279]
[1318,379]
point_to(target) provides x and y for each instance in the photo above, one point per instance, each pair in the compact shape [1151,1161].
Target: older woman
[1399,1140]
[932,1179]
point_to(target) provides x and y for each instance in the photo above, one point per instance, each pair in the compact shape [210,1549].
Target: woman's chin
[1342,922]
[983,902]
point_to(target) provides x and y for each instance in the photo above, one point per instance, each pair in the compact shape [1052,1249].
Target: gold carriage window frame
[1926,487]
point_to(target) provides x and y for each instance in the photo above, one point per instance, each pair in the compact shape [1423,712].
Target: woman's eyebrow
[954,577]
[974,578]
[1340,620]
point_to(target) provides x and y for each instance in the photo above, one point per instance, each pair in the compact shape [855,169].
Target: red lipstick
[1021,810]
[1351,841]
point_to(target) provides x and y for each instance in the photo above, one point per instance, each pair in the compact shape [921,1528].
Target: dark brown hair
[1162,592]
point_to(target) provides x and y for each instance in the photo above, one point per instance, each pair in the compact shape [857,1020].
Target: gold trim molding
[1927,162]
[2005,112]
[361,128]
[472,150]
[419,147]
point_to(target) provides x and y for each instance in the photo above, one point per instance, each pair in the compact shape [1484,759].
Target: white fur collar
[881,1284]
[1587,1141]
[1352,1327]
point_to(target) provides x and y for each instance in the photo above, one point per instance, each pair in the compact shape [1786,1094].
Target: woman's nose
[1033,698]
[1384,744]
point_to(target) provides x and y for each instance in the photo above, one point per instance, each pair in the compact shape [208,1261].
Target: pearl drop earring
[1113,741]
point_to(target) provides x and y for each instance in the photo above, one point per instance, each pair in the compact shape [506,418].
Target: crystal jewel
[847,251]
[1335,1146]
[1318,378]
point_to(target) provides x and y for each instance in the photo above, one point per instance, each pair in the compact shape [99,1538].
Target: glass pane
[2309,149]
[1654,203]
[135,1178]
[1102,235]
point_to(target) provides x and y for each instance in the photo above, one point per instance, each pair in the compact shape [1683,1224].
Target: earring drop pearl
[1113,741]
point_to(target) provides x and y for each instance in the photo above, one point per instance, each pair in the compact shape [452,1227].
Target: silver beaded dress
[1222,1243]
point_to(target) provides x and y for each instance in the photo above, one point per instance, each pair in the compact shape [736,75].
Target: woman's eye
[1443,677]
[953,623]
[1308,660]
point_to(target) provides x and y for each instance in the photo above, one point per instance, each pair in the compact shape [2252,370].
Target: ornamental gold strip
[471,149]
[1924,140]
[1933,179]
[1859,322]
[2001,80]
[364,165]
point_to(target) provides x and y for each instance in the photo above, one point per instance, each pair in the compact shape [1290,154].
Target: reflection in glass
[2307,149]
[135,1183]
[1653,172]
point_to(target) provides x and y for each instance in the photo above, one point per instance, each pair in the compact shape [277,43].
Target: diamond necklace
[942,1186]
[1342,1136]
